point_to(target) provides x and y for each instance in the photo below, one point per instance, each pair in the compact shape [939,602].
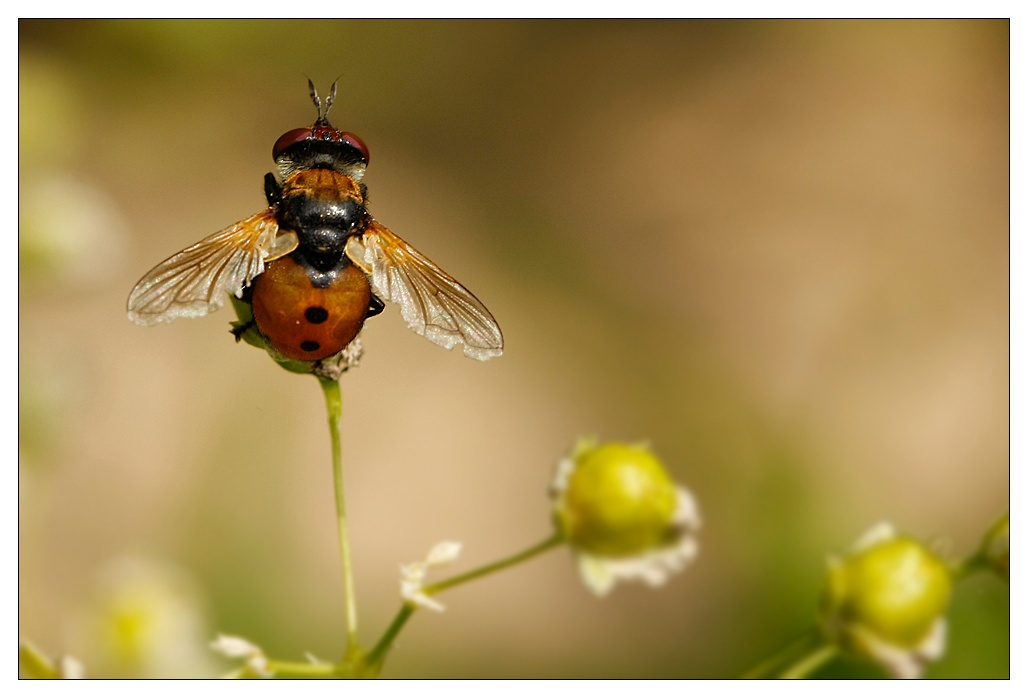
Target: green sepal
[253,337]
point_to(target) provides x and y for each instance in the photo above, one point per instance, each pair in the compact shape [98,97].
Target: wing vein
[194,281]
[432,302]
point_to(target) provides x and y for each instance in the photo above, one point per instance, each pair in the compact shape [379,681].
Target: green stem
[810,662]
[285,670]
[793,651]
[551,542]
[334,404]
[377,655]
[300,670]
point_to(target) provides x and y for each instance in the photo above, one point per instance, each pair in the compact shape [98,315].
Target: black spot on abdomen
[315,314]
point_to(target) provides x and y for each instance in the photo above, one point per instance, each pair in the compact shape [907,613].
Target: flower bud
[622,514]
[886,601]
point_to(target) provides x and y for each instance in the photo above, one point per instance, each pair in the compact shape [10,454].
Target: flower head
[886,600]
[412,576]
[238,648]
[623,515]
[145,618]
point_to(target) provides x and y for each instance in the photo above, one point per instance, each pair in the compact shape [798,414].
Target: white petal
[422,600]
[258,663]
[565,466]
[596,574]
[443,553]
[70,668]
[412,576]
[934,644]
[687,512]
[899,663]
[237,647]
[876,534]
[654,568]
[902,662]
[234,647]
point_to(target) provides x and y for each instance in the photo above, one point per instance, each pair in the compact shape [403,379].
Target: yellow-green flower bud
[619,501]
[886,601]
[995,550]
[622,514]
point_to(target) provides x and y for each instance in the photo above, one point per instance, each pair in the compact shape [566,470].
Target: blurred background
[776,250]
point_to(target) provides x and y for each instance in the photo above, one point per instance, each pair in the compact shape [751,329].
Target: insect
[314,265]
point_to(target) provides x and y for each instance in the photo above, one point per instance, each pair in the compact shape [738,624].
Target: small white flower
[412,576]
[335,366]
[623,516]
[238,648]
[145,617]
[70,668]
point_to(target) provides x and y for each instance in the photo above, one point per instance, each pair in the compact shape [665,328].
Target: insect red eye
[289,138]
[356,142]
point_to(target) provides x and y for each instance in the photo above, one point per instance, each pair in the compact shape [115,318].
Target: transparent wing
[431,301]
[194,282]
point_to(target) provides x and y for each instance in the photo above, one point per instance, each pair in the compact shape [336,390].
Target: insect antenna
[330,98]
[315,98]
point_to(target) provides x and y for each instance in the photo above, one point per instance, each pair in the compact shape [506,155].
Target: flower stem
[377,655]
[334,404]
[301,670]
[799,657]
[810,662]
[551,542]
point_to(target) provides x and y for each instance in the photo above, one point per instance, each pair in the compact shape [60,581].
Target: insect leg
[241,328]
[375,306]
[272,190]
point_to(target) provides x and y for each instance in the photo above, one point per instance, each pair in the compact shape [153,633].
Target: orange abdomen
[302,321]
